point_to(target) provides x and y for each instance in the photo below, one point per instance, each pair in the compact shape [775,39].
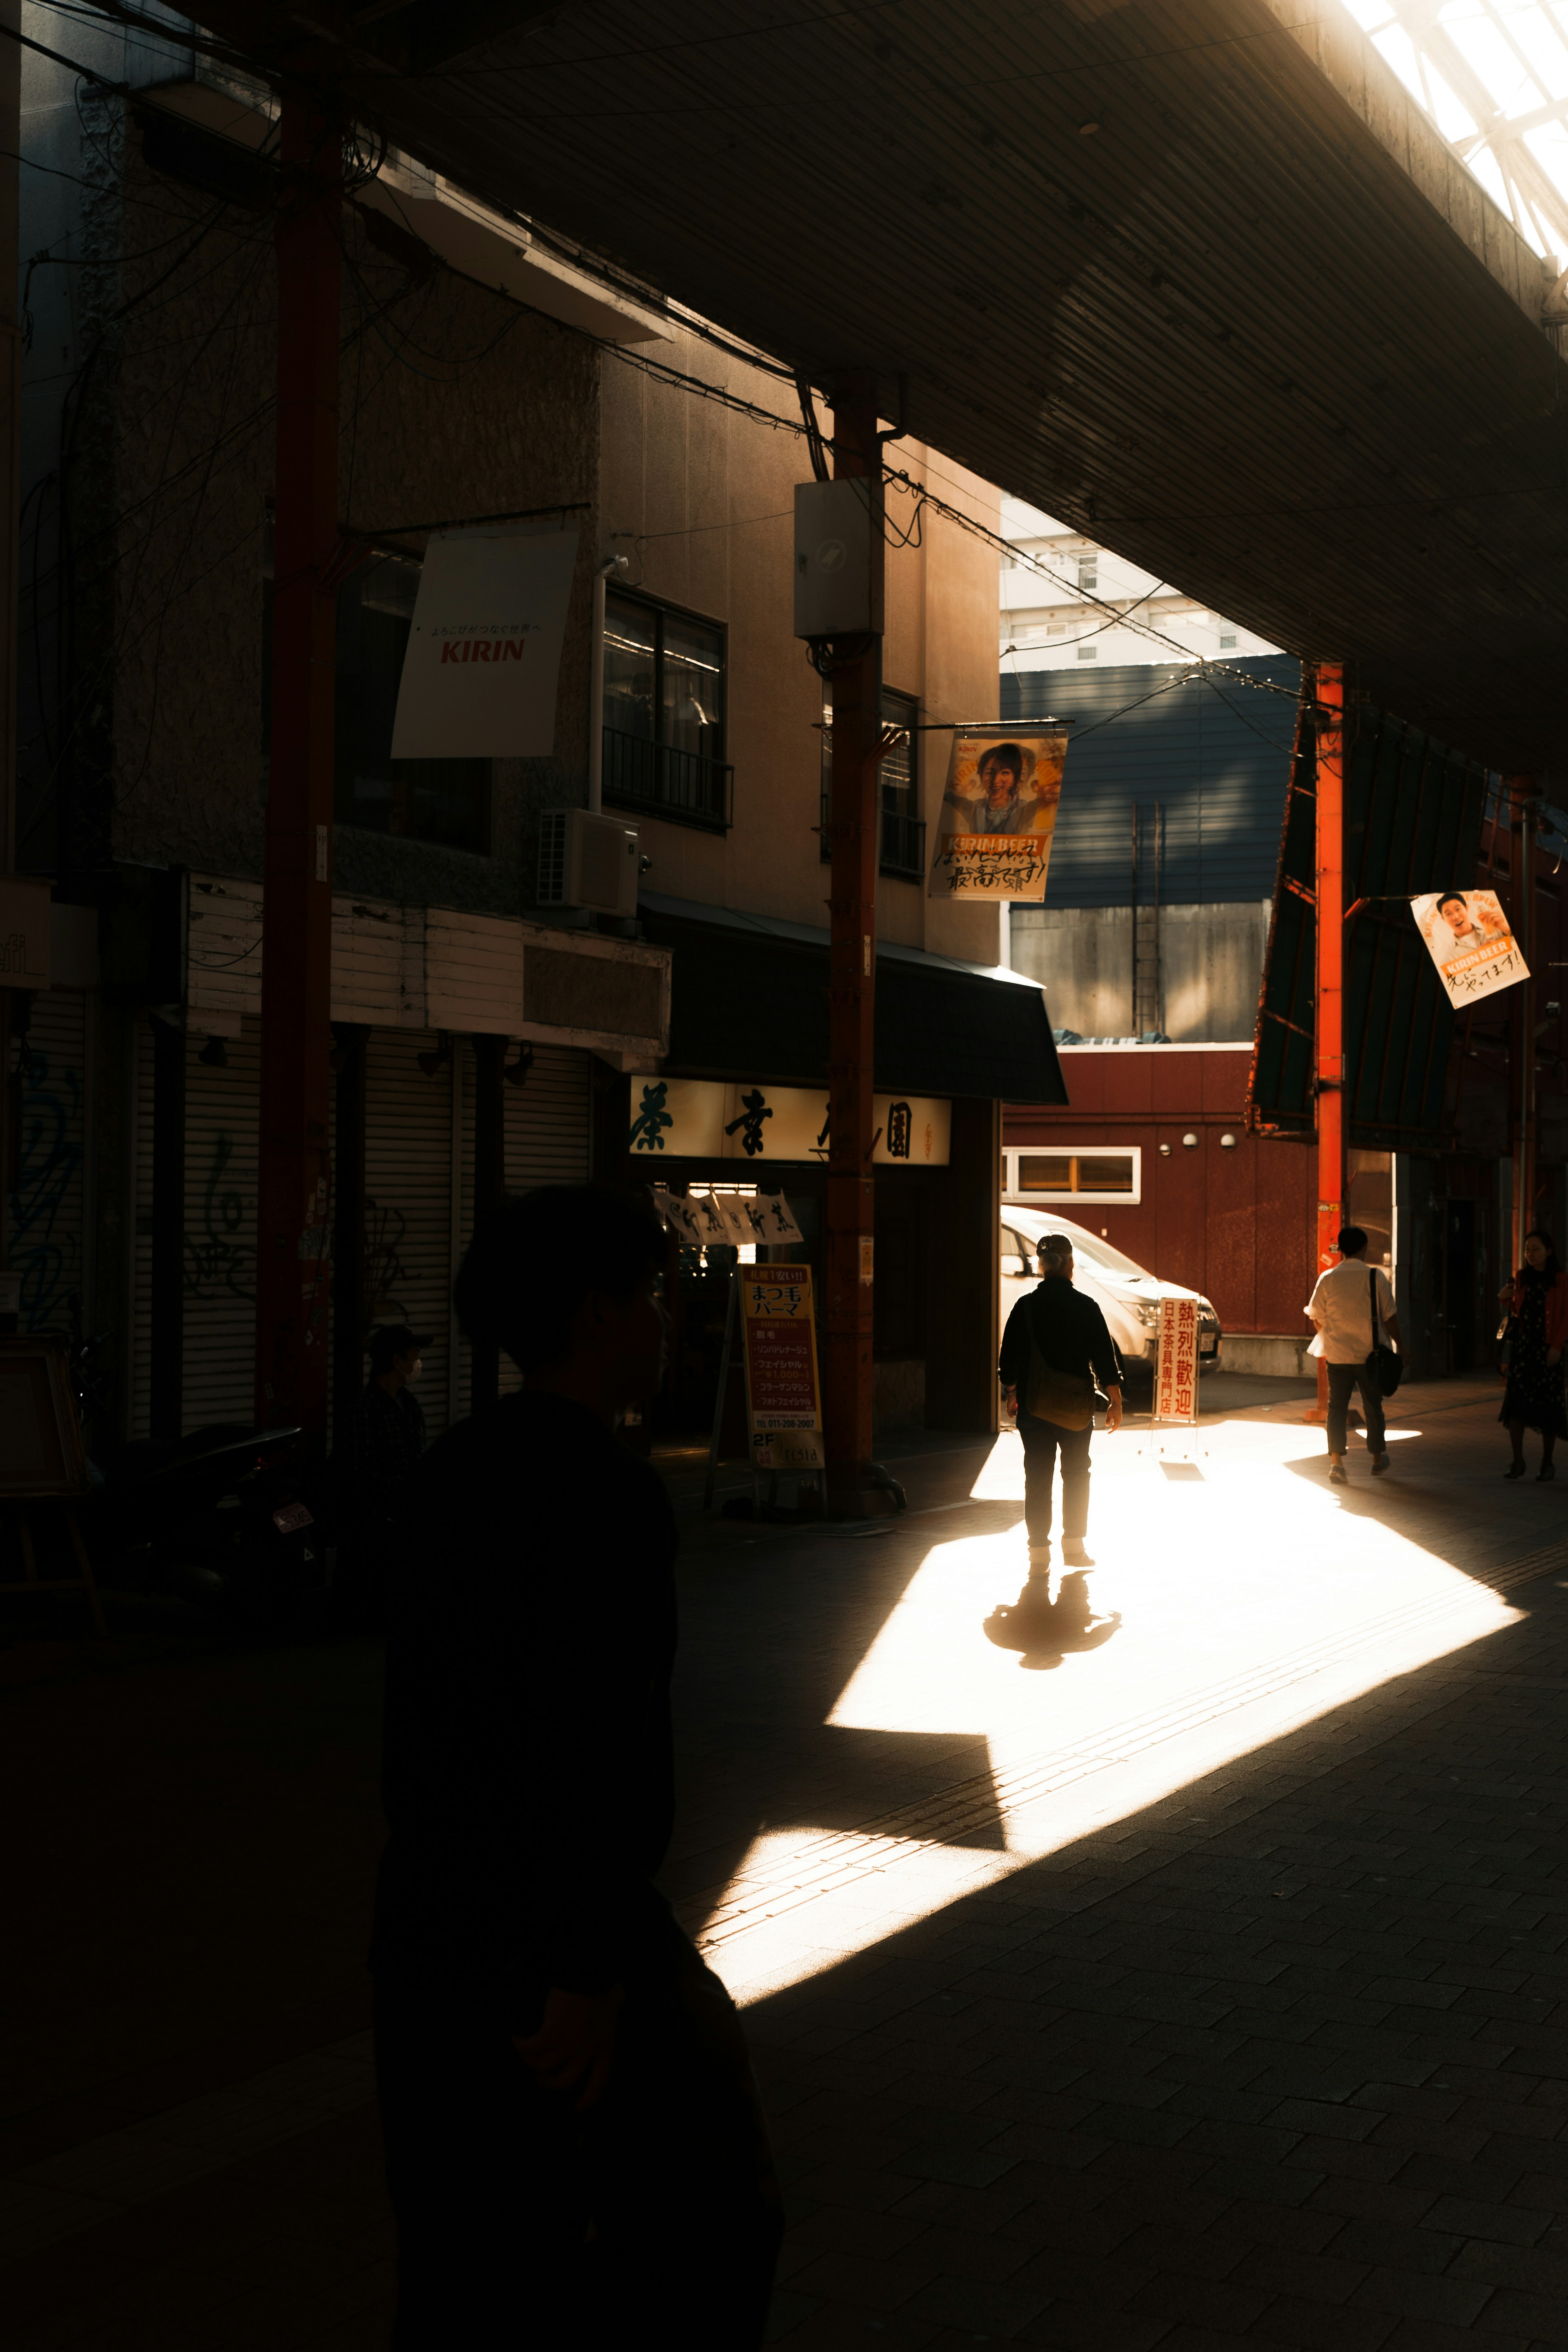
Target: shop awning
[750,1000]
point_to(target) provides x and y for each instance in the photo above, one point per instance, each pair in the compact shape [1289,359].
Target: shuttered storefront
[408,1220]
[48,1238]
[223,1109]
[546,1127]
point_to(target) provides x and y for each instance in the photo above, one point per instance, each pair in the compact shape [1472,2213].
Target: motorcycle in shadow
[218,1517]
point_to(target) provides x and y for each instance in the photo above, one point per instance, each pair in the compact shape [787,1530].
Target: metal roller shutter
[546,1124]
[48,1243]
[223,1110]
[547,1120]
[409,1199]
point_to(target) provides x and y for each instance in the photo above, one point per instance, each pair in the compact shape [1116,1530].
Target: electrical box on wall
[588,861]
[837,586]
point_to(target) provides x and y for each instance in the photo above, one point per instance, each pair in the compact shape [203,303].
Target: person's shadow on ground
[1045,1630]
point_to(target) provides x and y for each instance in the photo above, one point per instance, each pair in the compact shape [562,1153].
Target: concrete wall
[1211,966]
[702,501]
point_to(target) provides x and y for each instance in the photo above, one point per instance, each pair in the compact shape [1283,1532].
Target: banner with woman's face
[998,813]
[1470,941]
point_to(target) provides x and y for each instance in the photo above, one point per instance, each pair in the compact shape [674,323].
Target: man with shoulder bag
[1352,1308]
[1057,1358]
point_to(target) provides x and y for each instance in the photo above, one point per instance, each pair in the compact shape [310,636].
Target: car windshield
[1091,1250]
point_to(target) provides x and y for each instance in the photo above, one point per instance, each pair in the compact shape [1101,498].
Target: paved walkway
[1201,1987]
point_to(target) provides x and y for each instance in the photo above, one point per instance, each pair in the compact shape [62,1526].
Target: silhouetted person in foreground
[573,2147]
[1044,1630]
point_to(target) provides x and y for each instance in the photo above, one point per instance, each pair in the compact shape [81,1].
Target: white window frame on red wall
[1013,1153]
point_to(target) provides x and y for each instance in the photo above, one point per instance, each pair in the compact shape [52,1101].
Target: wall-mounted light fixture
[1227,1143]
[516,1073]
[1189,1143]
[214,1053]
[431,1064]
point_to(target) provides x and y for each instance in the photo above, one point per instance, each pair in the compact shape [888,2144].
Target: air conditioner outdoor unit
[588,861]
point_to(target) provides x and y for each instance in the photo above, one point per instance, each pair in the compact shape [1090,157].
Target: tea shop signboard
[705,1119]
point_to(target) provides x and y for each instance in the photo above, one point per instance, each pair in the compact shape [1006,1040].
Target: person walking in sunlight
[1537,1303]
[1056,1348]
[1349,1305]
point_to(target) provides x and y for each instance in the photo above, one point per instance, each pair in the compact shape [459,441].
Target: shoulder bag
[1384,1366]
[1066,1399]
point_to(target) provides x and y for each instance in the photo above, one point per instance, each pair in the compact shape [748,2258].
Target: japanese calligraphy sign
[998,815]
[784,1398]
[703,1119]
[1176,1369]
[1469,939]
[737,1218]
[484,646]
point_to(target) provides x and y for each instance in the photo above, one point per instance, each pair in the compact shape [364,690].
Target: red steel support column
[1330,794]
[857,695]
[294,1213]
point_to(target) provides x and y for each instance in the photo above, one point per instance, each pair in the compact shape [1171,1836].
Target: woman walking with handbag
[1537,1301]
[1055,1350]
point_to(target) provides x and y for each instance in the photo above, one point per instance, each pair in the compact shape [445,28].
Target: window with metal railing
[663,714]
[901,851]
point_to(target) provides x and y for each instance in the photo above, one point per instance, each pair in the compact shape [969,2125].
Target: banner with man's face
[1470,941]
[998,813]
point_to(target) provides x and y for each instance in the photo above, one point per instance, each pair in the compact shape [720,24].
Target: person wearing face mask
[1537,1301]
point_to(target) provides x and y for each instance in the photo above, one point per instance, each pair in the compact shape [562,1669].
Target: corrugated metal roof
[1197,278]
[1213,758]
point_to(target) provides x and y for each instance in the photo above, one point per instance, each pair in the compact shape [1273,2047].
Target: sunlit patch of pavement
[1251,1601]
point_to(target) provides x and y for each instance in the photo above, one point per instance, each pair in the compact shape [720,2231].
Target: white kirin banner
[484,651]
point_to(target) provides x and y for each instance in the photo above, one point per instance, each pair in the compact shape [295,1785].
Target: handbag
[1066,1399]
[1385,1367]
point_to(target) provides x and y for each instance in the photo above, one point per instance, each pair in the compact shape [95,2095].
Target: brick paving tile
[1380,2200]
[1201,2302]
[1381,2242]
[1531,2317]
[1288,2270]
[1432,2335]
[1069,2326]
[1415,2296]
[1324,2327]
[1540,2269]
[874,2282]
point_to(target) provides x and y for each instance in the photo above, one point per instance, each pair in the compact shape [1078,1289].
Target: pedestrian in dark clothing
[1537,1301]
[574,2146]
[375,1449]
[1057,1326]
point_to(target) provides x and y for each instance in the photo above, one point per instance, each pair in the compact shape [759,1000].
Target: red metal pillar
[857,696]
[294,1213]
[1329,784]
[1521,799]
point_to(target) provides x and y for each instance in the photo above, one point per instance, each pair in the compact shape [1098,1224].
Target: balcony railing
[902,852]
[663,781]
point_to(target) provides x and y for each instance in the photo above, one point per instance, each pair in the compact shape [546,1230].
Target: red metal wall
[1237,1223]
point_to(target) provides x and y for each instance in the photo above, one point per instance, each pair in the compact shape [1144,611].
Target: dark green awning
[749,999]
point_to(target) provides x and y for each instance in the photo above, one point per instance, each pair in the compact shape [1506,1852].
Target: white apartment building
[1065,600]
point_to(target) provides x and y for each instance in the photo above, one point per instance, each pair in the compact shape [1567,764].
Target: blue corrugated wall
[1214,756]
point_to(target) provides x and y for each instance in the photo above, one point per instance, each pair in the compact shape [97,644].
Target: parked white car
[1126,1293]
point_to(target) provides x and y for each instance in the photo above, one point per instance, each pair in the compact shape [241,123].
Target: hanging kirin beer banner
[484,650]
[1470,940]
[998,813]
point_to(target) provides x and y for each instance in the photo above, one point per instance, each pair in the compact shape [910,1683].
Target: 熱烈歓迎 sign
[484,649]
[704,1119]
[1176,1365]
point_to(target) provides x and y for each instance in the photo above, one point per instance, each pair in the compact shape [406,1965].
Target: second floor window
[663,714]
[902,848]
[442,800]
